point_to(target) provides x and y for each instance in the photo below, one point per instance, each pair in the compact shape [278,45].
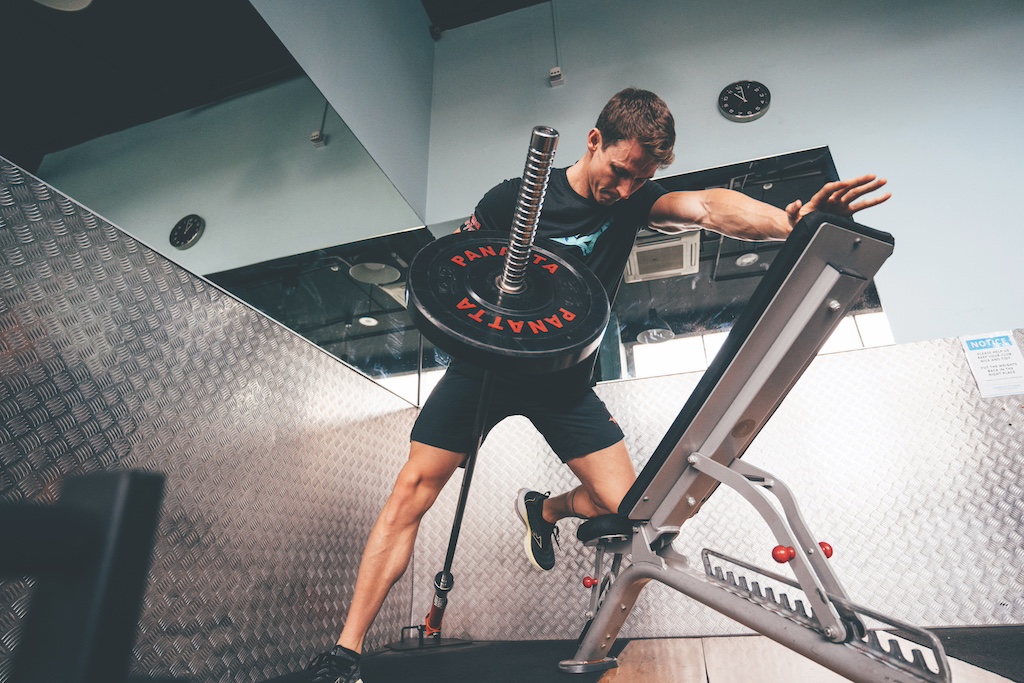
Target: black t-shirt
[600,236]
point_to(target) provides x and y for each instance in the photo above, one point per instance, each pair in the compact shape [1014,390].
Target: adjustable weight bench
[813,281]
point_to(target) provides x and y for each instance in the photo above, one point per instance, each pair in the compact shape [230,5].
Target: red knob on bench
[783,553]
[826,548]
[589,582]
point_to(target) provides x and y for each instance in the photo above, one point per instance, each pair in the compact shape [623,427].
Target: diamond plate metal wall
[277,456]
[896,461]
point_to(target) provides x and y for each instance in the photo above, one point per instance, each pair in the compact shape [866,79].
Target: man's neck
[577,180]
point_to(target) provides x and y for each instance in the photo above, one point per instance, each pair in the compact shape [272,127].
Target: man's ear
[594,140]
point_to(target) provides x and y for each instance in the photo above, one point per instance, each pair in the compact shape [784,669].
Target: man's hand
[840,198]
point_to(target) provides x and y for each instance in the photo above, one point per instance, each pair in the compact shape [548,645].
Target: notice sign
[996,362]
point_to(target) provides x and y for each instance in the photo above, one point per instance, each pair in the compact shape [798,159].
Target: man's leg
[391,541]
[585,436]
[605,477]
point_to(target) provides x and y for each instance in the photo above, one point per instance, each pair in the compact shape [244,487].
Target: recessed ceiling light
[374,273]
[655,336]
[368,321]
[747,260]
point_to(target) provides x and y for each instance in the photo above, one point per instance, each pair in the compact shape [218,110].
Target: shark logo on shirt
[584,242]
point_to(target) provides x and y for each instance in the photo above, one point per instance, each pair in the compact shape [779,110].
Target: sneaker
[340,665]
[539,532]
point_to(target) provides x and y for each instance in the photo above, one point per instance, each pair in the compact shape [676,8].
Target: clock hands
[744,101]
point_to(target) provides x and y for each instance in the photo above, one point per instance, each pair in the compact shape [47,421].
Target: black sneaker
[539,532]
[340,665]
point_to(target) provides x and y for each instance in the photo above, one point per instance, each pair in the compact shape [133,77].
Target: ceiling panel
[449,14]
[69,77]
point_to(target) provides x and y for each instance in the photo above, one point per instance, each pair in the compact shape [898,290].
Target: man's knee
[422,478]
[606,500]
[606,476]
[413,484]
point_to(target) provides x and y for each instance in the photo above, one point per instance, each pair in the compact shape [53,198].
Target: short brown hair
[634,114]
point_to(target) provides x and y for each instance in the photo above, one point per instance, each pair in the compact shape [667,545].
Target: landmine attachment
[813,281]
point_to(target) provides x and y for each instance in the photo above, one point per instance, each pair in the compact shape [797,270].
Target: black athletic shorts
[574,425]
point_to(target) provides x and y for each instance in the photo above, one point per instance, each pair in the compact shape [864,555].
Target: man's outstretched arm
[736,215]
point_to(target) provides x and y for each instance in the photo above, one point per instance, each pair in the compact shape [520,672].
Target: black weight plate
[454,299]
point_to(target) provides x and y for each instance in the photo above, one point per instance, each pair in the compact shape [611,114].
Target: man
[595,208]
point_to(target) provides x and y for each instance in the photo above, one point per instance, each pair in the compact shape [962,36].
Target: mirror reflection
[350,301]
[681,294]
[679,298]
[273,172]
[275,182]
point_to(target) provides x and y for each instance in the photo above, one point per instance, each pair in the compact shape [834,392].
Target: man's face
[617,171]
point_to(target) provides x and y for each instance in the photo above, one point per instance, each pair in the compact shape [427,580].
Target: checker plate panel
[277,455]
[893,455]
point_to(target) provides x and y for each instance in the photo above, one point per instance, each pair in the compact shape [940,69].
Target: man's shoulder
[650,191]
[502,192]
[642,200]
[505,193]
[558,179]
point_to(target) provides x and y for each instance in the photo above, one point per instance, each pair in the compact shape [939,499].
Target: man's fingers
[868,203]
[842,195]
[853,192]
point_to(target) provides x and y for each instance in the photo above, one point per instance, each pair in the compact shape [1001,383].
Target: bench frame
[814,280]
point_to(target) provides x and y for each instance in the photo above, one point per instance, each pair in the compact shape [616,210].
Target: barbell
[514,304]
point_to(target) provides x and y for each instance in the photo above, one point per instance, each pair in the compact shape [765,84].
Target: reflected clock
[187,231]
[744,101]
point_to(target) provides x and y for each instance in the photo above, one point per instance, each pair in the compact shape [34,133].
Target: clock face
[187,231]
[744,101]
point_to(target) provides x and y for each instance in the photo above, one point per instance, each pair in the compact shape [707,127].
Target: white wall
[374,63]
[248,167]
[924,93]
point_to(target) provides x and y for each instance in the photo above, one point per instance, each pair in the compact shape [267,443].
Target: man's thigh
[448,416]
[606,474]
[577,427]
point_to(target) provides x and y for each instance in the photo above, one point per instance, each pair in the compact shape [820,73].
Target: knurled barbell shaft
[528,206]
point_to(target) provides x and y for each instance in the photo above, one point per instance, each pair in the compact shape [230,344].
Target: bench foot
[573,666]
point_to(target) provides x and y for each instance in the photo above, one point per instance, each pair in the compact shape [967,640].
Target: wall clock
[187,231]
[744,101]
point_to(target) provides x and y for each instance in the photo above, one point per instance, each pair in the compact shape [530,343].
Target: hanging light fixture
[368,320]
[371,274]
[655,329]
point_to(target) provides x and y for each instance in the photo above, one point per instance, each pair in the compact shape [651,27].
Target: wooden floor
[734,659]
[738,659]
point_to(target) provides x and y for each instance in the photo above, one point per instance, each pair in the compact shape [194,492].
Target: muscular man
[595,208]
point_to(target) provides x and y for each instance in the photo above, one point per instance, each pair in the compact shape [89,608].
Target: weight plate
[556,321]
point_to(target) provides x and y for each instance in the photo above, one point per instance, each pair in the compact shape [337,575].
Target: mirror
[679,298]
[350,301]
[272,173]
[279,182]
[261,184]
[681,295]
